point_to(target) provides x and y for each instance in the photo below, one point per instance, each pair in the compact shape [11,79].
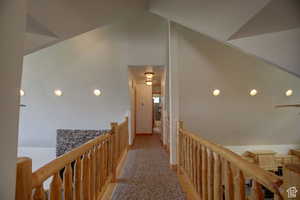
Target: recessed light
[22,93]
[97,92]
[216,92]
[58,93]
[289,93]
[253,92]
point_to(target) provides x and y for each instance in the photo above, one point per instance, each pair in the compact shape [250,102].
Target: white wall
[97,59]
[144,109]
[234,118]
[12,20]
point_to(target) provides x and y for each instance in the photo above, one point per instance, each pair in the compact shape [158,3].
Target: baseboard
[173,167]
[111,186]
[187,186]
[131,145]
[138,134]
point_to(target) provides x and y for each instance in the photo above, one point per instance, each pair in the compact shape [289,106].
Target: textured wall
[67,139]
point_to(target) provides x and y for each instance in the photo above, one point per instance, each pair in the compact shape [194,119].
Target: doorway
[146,102]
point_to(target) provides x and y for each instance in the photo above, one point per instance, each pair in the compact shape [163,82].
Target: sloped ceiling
[52,21]
[268,29]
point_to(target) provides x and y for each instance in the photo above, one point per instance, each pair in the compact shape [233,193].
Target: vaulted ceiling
[51,21]
[268,29]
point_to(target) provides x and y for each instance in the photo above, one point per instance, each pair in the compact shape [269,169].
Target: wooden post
[24,179]
[114,127]
[179,126]
[127,133]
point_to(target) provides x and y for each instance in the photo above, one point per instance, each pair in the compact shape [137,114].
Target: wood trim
[143,134]
[173,167]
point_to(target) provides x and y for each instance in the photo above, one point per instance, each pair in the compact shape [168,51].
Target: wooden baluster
[199,168]
[210,181]
[56,187]
[184,153]
[179,149]
[105,161]
[68,190]
[229,192]
[39,193]
[189,158]
[97,171]
[86,177]
[240,193]
[194,164]
[107,158]
[102,164]
[78,179]
[24,179]
[204,174]
[256,193]
[114,130]
[92,173]
[217,178]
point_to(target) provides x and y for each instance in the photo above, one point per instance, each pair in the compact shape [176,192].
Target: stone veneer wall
[67,139]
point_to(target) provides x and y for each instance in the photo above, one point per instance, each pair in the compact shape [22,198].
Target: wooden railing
[215,172]
[81,174]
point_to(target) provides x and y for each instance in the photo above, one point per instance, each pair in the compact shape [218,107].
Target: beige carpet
[146,174]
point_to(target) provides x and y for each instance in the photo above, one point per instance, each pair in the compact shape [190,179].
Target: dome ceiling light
[148,82]
[149,75]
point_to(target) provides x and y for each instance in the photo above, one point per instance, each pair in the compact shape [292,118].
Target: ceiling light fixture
[216,92]
[22,93]
[58,93]
[289,93]
[149,83]
[253,92]
[97,92]
[149,75]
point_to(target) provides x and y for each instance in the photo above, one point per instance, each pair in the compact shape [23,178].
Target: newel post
[114,127]
[24,179]
[178,149]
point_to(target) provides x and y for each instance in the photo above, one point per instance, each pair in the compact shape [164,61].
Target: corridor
[146,174]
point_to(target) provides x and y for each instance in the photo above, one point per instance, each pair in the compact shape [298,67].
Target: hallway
[146,174]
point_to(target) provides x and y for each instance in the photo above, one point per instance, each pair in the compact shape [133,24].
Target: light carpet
[146,174]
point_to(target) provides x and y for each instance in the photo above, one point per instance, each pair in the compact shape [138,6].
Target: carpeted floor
[146,174]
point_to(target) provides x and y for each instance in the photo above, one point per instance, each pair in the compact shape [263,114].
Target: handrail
[189,141]
[43,173]
[82,173]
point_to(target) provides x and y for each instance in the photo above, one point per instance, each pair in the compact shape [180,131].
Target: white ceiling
[268,29]
[265,28]
[63,19]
